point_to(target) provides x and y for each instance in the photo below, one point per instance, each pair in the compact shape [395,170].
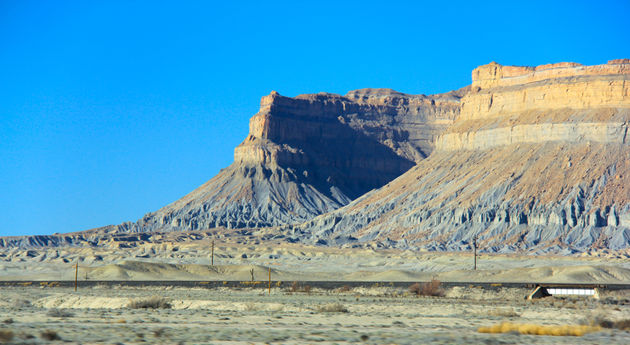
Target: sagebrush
[60,313]
[154,302]
[5,335]
[332,308]
[432,288]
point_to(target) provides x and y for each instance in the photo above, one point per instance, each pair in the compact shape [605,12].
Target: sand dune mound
[582,274]
[389,275]
[139,270]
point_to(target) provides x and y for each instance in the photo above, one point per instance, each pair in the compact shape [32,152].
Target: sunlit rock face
[312,154]
[532,159]
[538,161]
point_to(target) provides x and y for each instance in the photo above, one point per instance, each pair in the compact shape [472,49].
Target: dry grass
[531,329]
[154,302]
[432,288]
[332,308]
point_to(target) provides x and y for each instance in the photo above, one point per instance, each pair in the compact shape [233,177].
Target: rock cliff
[532,159]
[538,160]
[311,154]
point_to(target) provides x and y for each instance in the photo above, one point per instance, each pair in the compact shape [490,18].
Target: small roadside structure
[564,290]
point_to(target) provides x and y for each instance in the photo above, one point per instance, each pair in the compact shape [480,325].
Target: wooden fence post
[475,254]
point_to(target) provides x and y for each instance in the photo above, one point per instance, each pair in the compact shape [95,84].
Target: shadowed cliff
[309,155]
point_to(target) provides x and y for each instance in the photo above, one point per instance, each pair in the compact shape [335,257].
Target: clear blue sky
[109,109]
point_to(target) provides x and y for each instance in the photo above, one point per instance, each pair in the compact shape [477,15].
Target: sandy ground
[191,261]
[378,315]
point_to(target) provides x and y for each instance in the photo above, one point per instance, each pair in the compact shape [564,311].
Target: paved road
[328,285]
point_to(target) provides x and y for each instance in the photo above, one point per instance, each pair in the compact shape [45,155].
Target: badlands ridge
[526,159]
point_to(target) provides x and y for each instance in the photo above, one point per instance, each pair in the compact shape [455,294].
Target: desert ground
[39,311]
[374,315]
[189,259]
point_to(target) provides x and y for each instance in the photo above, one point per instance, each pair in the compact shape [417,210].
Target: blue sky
[110,110]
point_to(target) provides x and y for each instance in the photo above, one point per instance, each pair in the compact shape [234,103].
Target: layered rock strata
[533,159]
[557,102]
[311,154]
[539,160]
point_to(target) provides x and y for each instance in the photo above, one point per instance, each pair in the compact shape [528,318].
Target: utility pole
[76,276]
[212,259]
[475,249]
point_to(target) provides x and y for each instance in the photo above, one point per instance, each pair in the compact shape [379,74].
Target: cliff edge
[311,154]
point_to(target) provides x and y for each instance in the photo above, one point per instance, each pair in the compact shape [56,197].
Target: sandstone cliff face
[533,159]
[558,102]
[311,154]
[539,160]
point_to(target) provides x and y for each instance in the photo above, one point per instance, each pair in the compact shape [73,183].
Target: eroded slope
[523,168]
[309,155]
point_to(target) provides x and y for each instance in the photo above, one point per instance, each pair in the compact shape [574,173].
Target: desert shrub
[251,307]
[60,313]
[332,308]
[504,312]
[432,288]
[296,287]
[154,302]
[345,288]
[623,325]
[22,303]
[6,335]
[159,332]
[50,335]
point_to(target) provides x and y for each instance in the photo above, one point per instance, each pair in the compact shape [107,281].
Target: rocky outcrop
[533,159]
[558,102]
[530,197]
[601,132]
[309,155]
[539,161]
